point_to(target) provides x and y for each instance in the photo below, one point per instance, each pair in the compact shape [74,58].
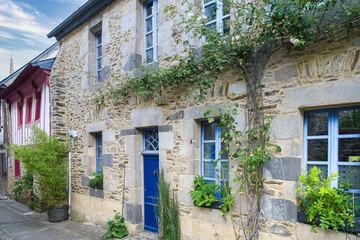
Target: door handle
[154,173]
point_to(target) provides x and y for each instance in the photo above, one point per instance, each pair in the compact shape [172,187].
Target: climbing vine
[257,30]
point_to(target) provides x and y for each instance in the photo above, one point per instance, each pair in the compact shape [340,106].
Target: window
[99,152]
[28,110]
[150,31]
[217,13]
[332,143]
[19,114]
[215,172]
[38,106]
[98,55]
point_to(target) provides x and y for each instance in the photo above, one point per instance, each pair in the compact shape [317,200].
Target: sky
[24,25]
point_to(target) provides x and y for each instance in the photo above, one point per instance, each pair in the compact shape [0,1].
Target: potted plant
[324,206]
[97,180]
[45,157]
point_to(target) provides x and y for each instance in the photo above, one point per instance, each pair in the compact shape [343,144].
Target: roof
[87,11]
[37,58]
[28,80]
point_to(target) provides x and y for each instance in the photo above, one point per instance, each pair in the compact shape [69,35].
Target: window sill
[215,205]
[356,229]
[97,193]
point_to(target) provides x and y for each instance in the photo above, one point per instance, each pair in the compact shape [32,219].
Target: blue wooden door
[151,174]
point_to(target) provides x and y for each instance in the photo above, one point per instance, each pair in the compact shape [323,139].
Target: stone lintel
[98,193]
[146,117]
[96,127]
[165,128]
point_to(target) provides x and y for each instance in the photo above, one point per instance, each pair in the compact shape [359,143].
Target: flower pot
[58,213]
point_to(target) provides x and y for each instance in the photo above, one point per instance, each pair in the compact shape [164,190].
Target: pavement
[18,222]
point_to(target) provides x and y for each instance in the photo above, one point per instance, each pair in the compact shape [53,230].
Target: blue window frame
[332,143]
[217,14]
[150,31]
[98,55]
[99,152]
[214,164]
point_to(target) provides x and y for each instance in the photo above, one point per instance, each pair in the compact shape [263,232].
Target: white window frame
[219,20]
[154,31]
[98,45]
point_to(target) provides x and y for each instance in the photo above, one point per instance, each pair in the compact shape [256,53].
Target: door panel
[151,173]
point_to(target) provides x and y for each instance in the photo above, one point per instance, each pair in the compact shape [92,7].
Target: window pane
[98,38]
[99,152]
[224,171]
[149,55]
[210,12]
[226,7]
[149,9]
[323,169]
[356,203]
[351,174]
[317,124]
[209,131]
[99,61]
[149,25]
[225,153]
[209,169]
[99,139]
[149,40]
[99,165]
[99,51]
[226,25]
[349,122]
[318,150]
[349,149]
[209,151]
[207,1]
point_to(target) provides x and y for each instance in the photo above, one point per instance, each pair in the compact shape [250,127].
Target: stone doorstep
[143,236]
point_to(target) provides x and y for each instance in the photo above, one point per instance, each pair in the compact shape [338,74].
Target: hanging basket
[58,213]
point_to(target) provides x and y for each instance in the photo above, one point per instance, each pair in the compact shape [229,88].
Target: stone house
[307,91]
[24,102]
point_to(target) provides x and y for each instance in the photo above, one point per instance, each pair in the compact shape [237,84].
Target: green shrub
[46,157]
[169,224]
[97,181]
[116,228]
[203,192]
[23,184]
[332,207]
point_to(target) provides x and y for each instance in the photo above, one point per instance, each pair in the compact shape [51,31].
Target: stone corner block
[146,117]
[133,213]
[132,61]
[108,160]
[98,193]
[108,136]
[176,116]
[238,88]
[286,73]
[96,127]
[278,209]
[288,169]
[197,112]
[285,127]
[84,181]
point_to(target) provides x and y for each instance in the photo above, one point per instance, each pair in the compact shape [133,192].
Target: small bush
[97,181]
[321,203]
[116,228]
[169,224]
[24,184]
[203,192]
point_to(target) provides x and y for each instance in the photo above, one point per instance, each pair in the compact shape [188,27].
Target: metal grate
[151,139]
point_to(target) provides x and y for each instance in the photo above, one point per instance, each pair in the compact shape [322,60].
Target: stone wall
[324,75]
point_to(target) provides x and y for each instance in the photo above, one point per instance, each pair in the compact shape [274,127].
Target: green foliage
[203,193]
[169,223]
[97,181]
[46,158]
[116,228]
[256,27]
[332,207]
[23,184]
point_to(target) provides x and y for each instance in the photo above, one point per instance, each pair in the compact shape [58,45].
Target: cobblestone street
[19,222]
